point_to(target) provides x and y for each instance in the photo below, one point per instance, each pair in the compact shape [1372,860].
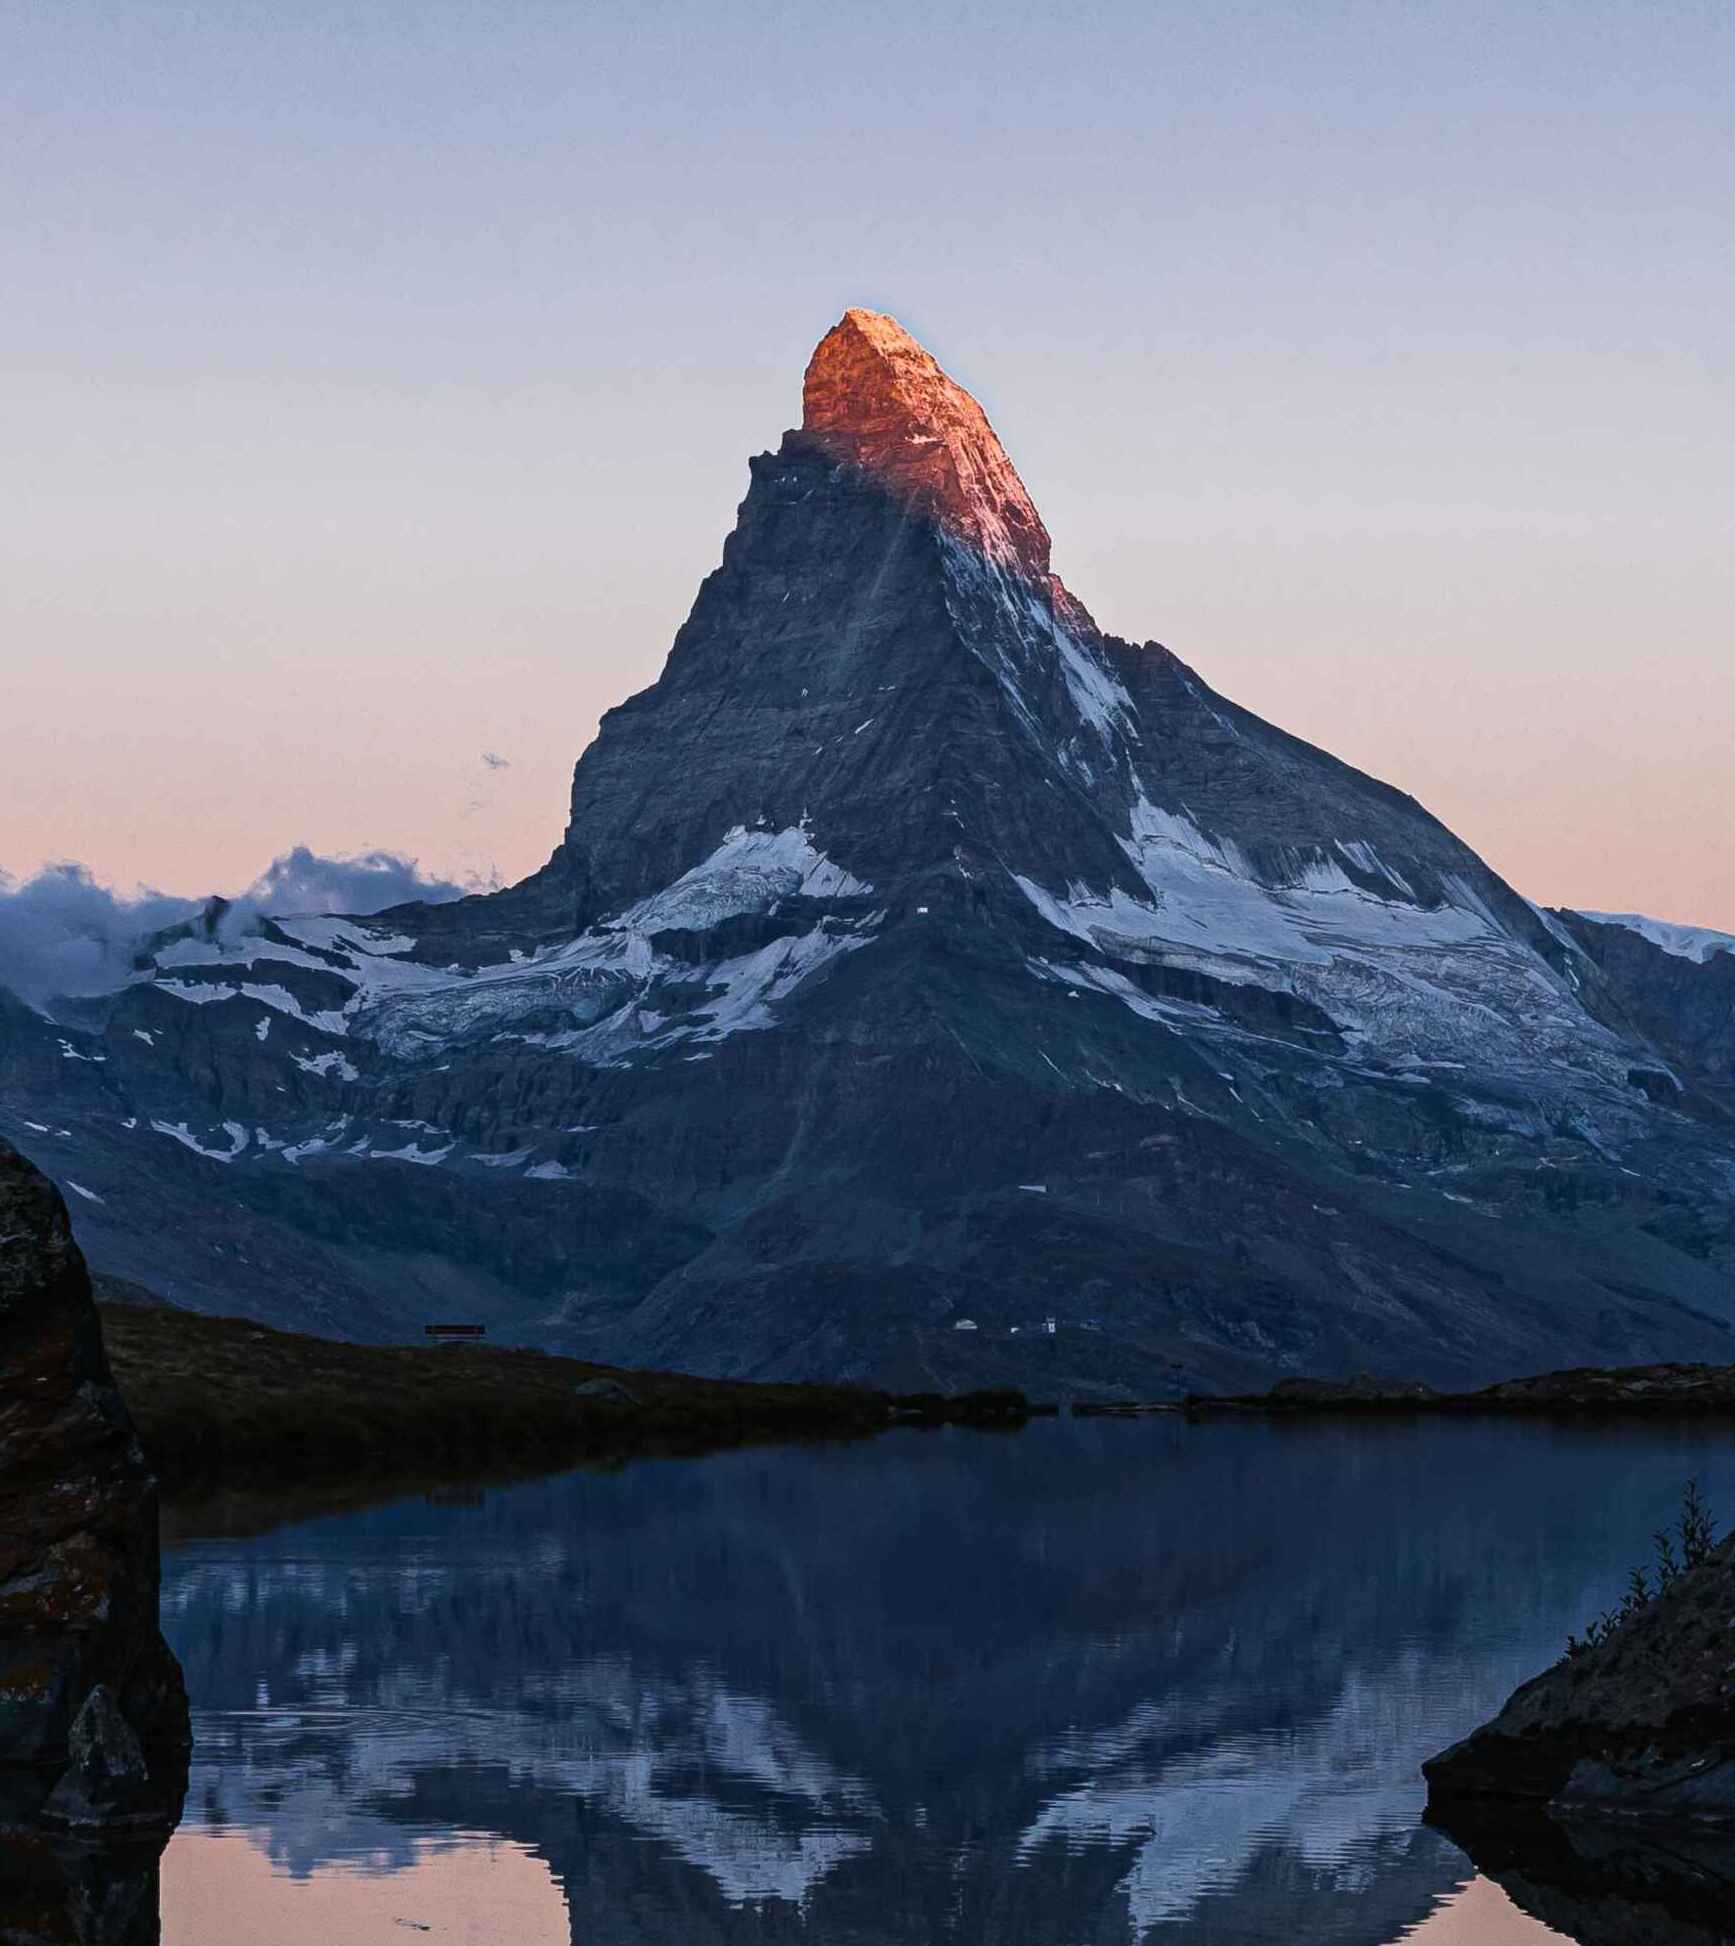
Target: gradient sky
[379,383]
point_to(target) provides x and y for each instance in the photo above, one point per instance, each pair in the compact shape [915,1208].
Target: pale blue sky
[379,383]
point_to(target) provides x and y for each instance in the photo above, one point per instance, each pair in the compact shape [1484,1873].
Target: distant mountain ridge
[918,955]
[1697,943]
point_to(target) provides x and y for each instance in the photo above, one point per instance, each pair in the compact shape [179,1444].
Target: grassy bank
[224,1397]
[227,1400]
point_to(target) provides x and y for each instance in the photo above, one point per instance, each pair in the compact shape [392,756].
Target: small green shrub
[1676,1551]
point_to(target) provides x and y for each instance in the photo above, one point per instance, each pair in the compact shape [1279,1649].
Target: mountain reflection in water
[1093,1682]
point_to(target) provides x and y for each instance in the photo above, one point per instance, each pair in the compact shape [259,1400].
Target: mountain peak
[875,397]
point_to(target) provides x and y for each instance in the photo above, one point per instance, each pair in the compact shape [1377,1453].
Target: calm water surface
[1083,1685]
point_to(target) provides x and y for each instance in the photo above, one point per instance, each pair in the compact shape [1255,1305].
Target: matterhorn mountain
[932,989]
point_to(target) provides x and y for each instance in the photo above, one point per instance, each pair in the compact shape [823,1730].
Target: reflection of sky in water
[1480,1915]
[218,1886]
[1090,1682]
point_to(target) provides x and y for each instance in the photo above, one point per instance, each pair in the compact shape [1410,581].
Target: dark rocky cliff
[93,1716]
[1686,1006]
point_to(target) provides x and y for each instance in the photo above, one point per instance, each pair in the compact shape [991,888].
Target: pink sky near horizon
[379,393]
[221,1886]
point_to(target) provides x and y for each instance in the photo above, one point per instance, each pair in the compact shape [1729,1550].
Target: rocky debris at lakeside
[1636,1388]
[988,1405]
[1361,1393]
[1640,1723]
[1661,1390]
[93,1715]
[1124,1408]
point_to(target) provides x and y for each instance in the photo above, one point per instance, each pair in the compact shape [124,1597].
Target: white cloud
[62,932]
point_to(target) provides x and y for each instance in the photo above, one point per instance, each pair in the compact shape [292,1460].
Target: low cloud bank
[61,932]
[305,881]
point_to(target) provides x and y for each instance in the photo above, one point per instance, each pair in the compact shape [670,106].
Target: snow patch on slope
[749,987]
[605,997]
[748,872]
[1405,983]
[1026,637]
[179,1132]
[601,980]
[200,993]
[1207,902]
[328,1063]
[427,1157]
[1211,897]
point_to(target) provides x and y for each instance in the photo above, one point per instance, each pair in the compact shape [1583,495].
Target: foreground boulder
[1641,1724]
[93,1712]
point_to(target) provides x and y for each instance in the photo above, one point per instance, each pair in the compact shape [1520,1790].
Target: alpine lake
[1081,1684]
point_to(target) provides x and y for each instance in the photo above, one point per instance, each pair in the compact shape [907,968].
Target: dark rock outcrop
[1362,1393]
[93,1714]
[58,1890]
[1639,1725]
[1662,1389]
[1585,1391]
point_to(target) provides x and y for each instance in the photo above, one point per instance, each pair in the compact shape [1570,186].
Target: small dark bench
[454,1334]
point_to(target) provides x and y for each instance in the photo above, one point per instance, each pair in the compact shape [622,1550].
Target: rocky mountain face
[1678,987]
[929,988]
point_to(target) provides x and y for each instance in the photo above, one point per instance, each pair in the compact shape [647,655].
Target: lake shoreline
[224,1403]
[1584,1392]
[228,1401]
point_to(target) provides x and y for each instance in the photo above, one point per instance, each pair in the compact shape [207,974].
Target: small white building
[965,1324]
